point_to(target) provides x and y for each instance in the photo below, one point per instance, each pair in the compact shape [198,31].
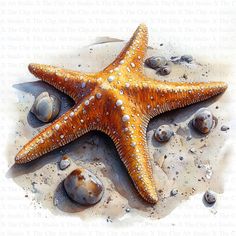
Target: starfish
[119,101]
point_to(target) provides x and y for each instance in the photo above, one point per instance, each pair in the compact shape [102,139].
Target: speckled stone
[83,187]
[224,128]
[186,58]
[210,198]
[203,120]
[165,70]
[46,107]
[174,192]
[163,133]
[155,62]
[65,162]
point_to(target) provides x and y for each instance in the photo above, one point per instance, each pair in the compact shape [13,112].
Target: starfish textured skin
[119,101]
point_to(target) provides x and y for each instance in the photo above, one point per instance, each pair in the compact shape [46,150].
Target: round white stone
[125,118]
[86,102]
[119,102]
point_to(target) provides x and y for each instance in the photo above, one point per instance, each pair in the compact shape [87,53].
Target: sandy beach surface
[190,166]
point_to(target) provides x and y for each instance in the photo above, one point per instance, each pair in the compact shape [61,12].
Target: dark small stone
[210,198]
[192,150]
[174,192]
[224,128]
[185,76]
[127,210]
[155,62]
[186,58]
[175,59]
[189,137]
[181,158]
[165,70]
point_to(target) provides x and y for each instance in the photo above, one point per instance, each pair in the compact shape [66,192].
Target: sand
[201,166]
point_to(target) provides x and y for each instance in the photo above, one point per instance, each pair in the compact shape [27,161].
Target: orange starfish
[119,101]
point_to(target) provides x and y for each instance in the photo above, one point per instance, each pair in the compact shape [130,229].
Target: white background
[31,31]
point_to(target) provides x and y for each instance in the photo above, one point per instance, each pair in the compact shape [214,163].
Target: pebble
[175,59]
[65,162]
[174,192]
[224,128]
[127,210]
[189,137]
[163,133]
[210,198]
[83,187]
[109,220]
[46,107]
[165,70]
[186,58]
[155,62]
[192,150]
[203,120]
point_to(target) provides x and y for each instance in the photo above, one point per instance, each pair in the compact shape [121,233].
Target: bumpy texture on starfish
[120,100]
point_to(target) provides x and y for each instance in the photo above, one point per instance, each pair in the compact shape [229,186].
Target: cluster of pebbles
[203,121]
[81,185]
[163,66]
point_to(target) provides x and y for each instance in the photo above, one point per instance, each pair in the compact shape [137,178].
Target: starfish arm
[132,55]
[64,130]
[130,140]
[73,83]
[155,97]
